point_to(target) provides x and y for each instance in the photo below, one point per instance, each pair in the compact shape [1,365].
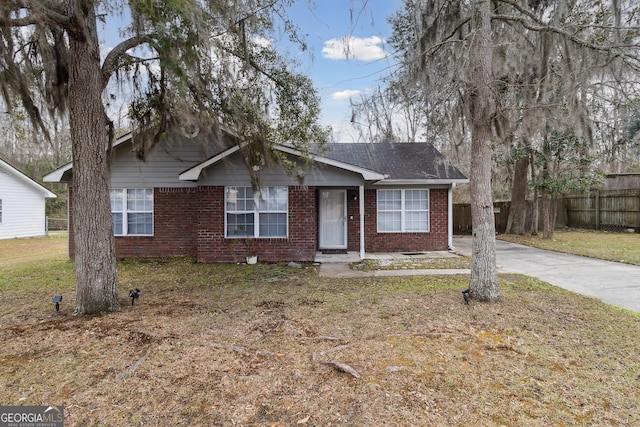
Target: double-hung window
[403,210]
[132,211]
[261,214]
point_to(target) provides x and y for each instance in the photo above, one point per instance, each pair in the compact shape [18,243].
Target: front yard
[272,345]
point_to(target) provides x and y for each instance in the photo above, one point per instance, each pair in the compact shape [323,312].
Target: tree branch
[433,49]
[528,13]
[113,60]
[566,34]
[255,66]
[37,10]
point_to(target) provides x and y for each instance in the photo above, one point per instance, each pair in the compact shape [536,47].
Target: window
[266,218]
[132,211]
[403,210]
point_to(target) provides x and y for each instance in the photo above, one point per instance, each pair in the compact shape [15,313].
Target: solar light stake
[465,295]
[56,300]
[134,294]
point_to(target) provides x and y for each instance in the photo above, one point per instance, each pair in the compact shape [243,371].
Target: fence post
[597,209]
[46,226]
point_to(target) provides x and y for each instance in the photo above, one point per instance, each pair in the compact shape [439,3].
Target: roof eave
[193,173]
[24,178]
[367,174]
[58,174]
[430,181]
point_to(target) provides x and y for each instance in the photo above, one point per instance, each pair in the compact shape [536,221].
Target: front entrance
[333,219]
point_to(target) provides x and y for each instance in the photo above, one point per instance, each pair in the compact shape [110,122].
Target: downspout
[361,203]
[450,216]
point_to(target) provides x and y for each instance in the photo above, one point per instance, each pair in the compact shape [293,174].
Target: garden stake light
[465,295]
[56,300]
[134,294]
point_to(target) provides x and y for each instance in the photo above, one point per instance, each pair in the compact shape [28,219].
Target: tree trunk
[554,214]
[535,208]
[535,213]
[94,244]
[519,191]
[546,217]
[482,108]
[546,213]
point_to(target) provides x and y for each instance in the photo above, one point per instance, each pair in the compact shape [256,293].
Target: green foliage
[217,67]
[192,66]
[567,165]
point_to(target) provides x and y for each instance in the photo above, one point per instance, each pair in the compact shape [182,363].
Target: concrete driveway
[614,283]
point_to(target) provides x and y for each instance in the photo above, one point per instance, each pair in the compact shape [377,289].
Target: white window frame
[125,212]
[403,210]
[257,207]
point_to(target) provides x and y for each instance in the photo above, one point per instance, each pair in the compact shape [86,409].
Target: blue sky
[338,76]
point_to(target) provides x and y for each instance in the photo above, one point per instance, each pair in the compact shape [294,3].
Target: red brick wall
[299,246]
[174,227]
[190,222]
[435,240]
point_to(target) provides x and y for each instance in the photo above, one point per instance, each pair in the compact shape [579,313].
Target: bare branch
[38,11]
[528,13]
[255,65]
[114,59]
[567,35]
[447,39]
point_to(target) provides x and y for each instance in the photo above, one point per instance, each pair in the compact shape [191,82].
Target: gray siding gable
[232,171]
[213,164]
[162,165]
[169,159]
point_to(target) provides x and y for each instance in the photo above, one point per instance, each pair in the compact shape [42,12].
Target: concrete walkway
[338,265]
[342,271]
[612,282]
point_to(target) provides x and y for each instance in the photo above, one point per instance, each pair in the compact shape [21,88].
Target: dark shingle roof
[398,160]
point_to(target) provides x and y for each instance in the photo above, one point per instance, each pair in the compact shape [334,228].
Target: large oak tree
[505,73]
[193,65]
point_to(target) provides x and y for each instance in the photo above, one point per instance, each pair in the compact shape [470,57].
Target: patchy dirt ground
[269,345]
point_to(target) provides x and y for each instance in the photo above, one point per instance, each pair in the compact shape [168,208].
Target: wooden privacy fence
[462,217]
[611,210]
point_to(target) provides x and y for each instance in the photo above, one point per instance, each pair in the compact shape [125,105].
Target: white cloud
[363,49]
[345,94]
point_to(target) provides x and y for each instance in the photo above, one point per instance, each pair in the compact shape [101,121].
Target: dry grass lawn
[619,247]
[264,345]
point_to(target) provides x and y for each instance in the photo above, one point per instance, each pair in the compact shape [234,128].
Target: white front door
[333,219]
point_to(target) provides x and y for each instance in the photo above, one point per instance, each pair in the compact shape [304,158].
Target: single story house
[22,204]
[193,197]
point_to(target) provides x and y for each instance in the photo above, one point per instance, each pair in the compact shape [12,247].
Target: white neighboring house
[22,207]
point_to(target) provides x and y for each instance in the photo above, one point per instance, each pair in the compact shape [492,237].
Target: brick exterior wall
[435,240]
[190,222]
[301,244]
[174,227]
